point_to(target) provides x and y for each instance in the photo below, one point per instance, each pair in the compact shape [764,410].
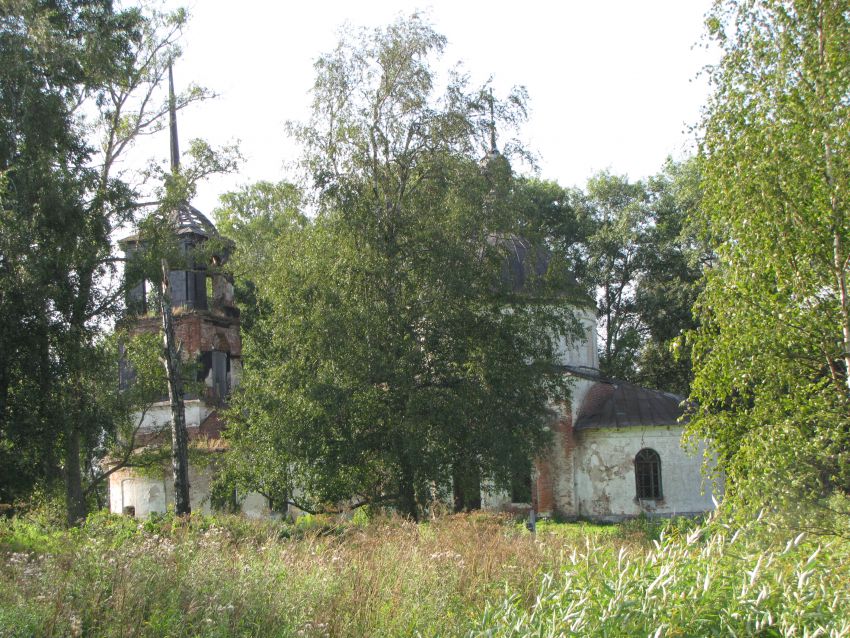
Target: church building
[616,451]
[617,448]
[206,326]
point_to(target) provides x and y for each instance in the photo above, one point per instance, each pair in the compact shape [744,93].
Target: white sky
[612,83]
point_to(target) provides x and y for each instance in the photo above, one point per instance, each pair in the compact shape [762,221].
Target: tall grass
[711,581]
[117,577]
[475,575]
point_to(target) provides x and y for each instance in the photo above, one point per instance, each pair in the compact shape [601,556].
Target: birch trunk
[179,442]
[75,501]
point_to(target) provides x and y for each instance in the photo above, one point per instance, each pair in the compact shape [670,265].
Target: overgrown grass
[712,580]
[474,575]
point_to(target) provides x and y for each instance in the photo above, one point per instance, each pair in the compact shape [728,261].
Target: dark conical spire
[493,156]
[493,149]
[187,219]
[172,122]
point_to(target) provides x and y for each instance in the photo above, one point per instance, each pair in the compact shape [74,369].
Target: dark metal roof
[189,220]
[617,404]
[527,265]
[522,262]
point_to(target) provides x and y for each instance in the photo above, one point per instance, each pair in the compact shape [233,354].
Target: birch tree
[387,364]
[773,354]
[79,83]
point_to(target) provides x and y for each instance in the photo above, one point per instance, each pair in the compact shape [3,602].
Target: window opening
[648,474]
[220,367]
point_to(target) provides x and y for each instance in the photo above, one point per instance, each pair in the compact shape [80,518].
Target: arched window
[648,474]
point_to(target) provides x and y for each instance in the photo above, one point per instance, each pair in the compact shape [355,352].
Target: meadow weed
[464,575]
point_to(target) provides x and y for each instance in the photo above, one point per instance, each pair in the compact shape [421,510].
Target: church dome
[189,220]
[523,263]
[529,270]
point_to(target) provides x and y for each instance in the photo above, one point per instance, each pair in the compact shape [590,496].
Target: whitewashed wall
[153,494]
[158,416]
[581,352]
[605,473]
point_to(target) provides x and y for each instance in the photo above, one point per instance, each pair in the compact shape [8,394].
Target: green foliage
[257,218]
[771,356]
[383,358]
[671,262]
[53,231]
[69,72]
[23,536]
[713,581]
[573,532]
[643,264]
[361,516]
[142,354]
[617,213]
[550,215]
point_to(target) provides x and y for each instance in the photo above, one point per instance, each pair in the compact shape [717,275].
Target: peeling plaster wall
[147,494]
[158,416]
[590,473]
[256,506]
[605,474]
[498,500]
[582,352]
[491,498]
[153,494]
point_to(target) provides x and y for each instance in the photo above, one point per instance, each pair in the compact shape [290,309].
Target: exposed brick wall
[565,485]
[543,494]
[554,485]
[199,331]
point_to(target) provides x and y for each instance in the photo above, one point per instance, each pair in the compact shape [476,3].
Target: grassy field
[469,575]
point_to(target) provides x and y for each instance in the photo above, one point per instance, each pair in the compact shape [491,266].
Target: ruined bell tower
[207,330]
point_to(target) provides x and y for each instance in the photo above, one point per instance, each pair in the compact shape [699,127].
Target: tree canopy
[56,212]
[405,304]
[773,351]
[78,84]
[388,362]
[634,250]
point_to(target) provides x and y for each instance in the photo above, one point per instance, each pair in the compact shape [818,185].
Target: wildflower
[76,627]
